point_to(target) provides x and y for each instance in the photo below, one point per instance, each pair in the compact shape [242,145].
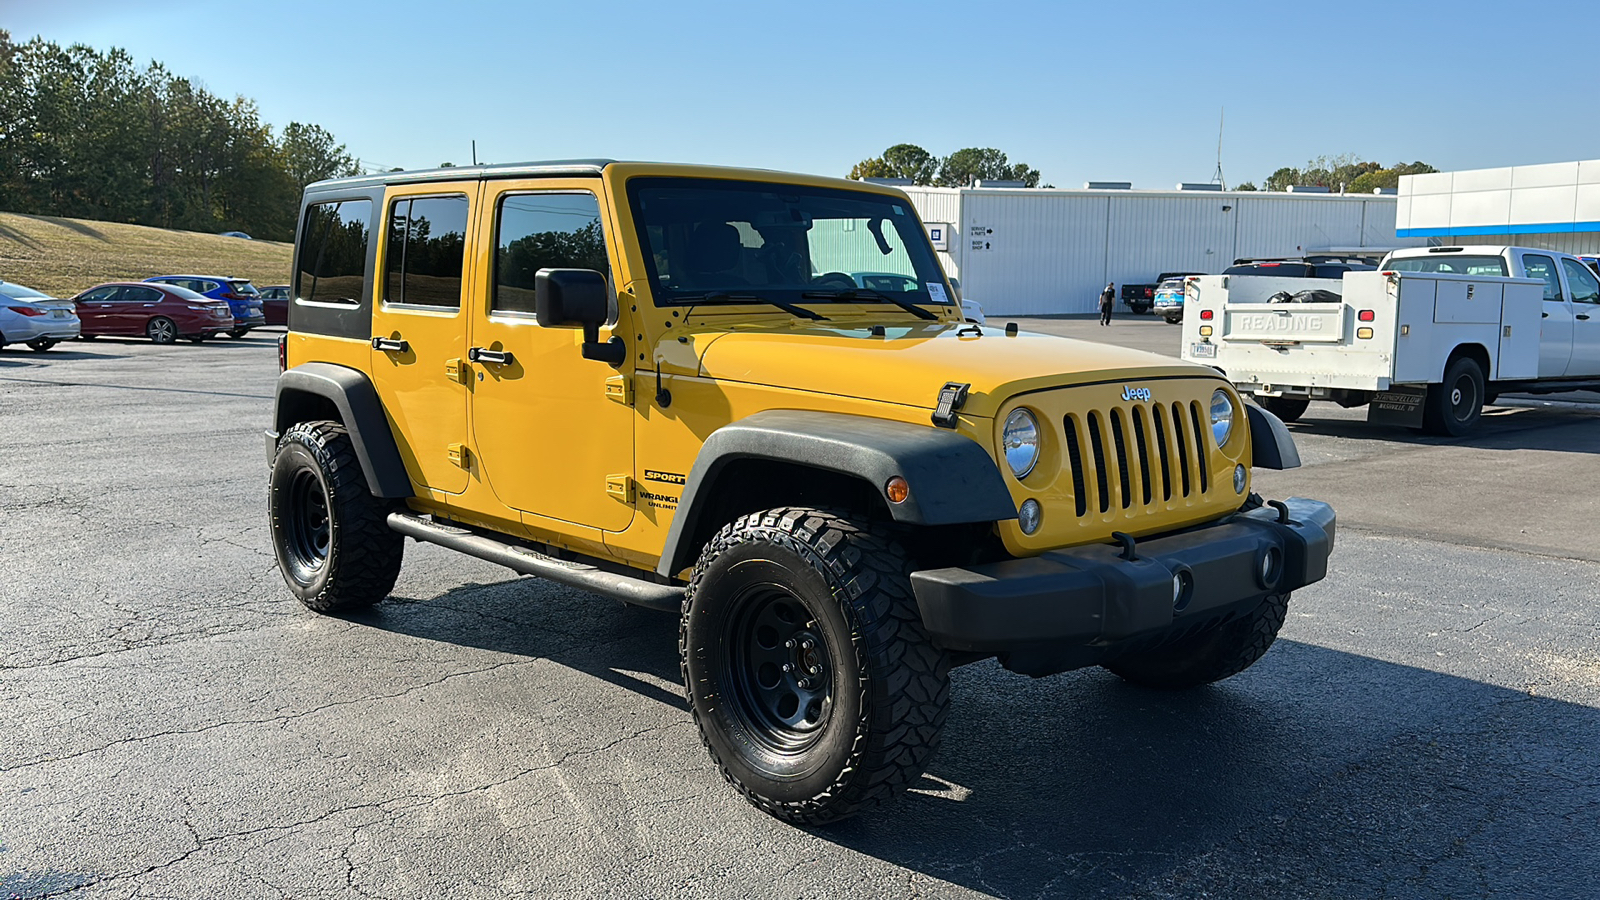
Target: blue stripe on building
[1474,230]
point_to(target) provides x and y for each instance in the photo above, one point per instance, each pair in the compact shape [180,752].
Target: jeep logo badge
[1133,393]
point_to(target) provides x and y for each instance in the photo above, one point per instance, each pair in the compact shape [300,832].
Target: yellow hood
[911,363]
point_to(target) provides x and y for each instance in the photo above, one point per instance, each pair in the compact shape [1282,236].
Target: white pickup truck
[1425,341]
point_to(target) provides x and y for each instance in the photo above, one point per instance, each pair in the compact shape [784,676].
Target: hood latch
[952,397]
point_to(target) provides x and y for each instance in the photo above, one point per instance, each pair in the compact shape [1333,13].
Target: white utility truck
[1425,341]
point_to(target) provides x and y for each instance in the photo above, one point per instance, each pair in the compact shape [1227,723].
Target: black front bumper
[1084,605]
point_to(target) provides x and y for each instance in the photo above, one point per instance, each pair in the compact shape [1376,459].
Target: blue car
[244,301]
[1169,300]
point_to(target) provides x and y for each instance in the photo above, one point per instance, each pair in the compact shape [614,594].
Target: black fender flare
[353,395]
[1271,444]
[952,479]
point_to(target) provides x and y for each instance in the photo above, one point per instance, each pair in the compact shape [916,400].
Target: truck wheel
[331,536]
[1289,409]
[814,686]
[1209,656]
[1454,406]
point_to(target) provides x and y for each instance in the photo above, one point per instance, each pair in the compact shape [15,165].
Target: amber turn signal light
[897,490]
[1205,330]
[1364,333]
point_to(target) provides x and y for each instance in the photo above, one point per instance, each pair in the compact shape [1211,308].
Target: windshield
[1457,265]
[777,242]
[18,292]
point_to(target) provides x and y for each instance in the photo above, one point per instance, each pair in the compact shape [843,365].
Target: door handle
[390,346]
[1544,315]
[497,357]
[1583,316]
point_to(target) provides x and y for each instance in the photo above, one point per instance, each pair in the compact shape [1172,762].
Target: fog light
[1030,516]
[1177,589]
[1238,479]
[1271,567]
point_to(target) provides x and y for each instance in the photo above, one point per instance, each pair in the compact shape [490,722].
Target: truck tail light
[1366,315]
[1364,333]
[283,352]
[1207,314]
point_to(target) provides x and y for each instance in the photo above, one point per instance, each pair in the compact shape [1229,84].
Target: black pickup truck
[1141,297]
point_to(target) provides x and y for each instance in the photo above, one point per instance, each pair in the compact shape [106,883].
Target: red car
[161,312]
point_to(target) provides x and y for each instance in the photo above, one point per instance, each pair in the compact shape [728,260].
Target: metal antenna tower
[1217,177]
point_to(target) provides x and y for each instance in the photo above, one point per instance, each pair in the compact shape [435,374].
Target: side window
[426,249]
[105,293]
[543,231]
[1544,267]
[1585,288]
[201,287]
[143,295]
[333,253]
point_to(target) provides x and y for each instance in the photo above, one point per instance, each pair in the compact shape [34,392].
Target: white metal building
[1555,206]
[1046,252]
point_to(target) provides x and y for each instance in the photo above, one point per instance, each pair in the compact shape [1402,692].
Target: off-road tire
[353,559]
[161,330]
[887,688]
[1289,409]
[1209,656]
[1454,406]
[40,345]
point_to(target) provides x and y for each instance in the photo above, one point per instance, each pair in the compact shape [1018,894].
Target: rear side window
[1544,267]
[427,244]
[543,231]
[1449,265]
[333,253]
[243,287]
[141,295]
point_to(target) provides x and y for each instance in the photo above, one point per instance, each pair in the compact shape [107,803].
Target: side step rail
[582,576]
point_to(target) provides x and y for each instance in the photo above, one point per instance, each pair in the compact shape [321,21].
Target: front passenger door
[1585,292]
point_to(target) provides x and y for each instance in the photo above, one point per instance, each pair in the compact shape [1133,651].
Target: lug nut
[805,645]
[788,668]
[789,643]
[816,670]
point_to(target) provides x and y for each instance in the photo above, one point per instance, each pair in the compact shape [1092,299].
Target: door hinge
[456,370]
[620,487]
[460,455]
[619,389]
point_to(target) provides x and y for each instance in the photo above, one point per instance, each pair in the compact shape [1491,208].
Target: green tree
[1247,186]
[872,167]
[1387,178]
[962,167]
[913,162]
[310,153]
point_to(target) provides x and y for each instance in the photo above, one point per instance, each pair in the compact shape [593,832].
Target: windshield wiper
[868,294]
[798,312]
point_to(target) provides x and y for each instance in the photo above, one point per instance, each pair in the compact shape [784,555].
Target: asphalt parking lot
[179,726]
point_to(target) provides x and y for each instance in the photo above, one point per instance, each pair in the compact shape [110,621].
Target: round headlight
[1221,416]
[1019,440]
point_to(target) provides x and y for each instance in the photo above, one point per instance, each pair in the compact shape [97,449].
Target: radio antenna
[1221,118]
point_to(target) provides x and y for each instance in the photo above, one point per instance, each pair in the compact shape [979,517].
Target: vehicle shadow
[1317,773]
[30,358]
[1565,428]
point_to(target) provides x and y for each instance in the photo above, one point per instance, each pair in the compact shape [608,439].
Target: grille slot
[1141,440]
[1200,447]
[1098,448]
[1183,445]
[1120,447]
[1080,496]
[1158,418]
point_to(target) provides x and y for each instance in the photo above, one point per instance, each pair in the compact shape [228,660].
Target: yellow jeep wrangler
[750,399]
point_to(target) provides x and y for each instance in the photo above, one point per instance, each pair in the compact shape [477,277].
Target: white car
[38,320]
[891,282]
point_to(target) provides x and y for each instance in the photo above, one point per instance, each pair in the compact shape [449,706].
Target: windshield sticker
[936,292]
[897,210]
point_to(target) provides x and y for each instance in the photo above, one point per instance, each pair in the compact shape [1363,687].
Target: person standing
[1108,297]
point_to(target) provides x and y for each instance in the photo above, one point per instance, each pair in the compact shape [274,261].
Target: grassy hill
[64,256]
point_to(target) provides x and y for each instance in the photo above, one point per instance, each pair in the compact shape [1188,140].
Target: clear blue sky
[1104,91]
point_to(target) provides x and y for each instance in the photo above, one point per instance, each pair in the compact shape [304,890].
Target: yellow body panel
[578,454]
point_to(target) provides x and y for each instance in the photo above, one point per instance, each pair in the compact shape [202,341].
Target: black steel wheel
[814,686]
[331,536]
[1454,406]
[161,330]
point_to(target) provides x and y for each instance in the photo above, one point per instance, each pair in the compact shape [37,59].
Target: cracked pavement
[177,726]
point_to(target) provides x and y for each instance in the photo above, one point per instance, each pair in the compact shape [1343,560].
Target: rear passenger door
[1555,330]
[419,332]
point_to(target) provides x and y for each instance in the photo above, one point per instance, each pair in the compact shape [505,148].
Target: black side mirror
[567,298]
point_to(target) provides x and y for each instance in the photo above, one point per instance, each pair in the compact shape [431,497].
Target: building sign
[980,238]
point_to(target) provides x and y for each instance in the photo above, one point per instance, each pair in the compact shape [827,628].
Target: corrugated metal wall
[1023,252]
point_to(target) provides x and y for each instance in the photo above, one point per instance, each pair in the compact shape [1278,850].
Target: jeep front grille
[1131,455]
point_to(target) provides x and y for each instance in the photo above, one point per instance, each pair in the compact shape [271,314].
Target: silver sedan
[36,319]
